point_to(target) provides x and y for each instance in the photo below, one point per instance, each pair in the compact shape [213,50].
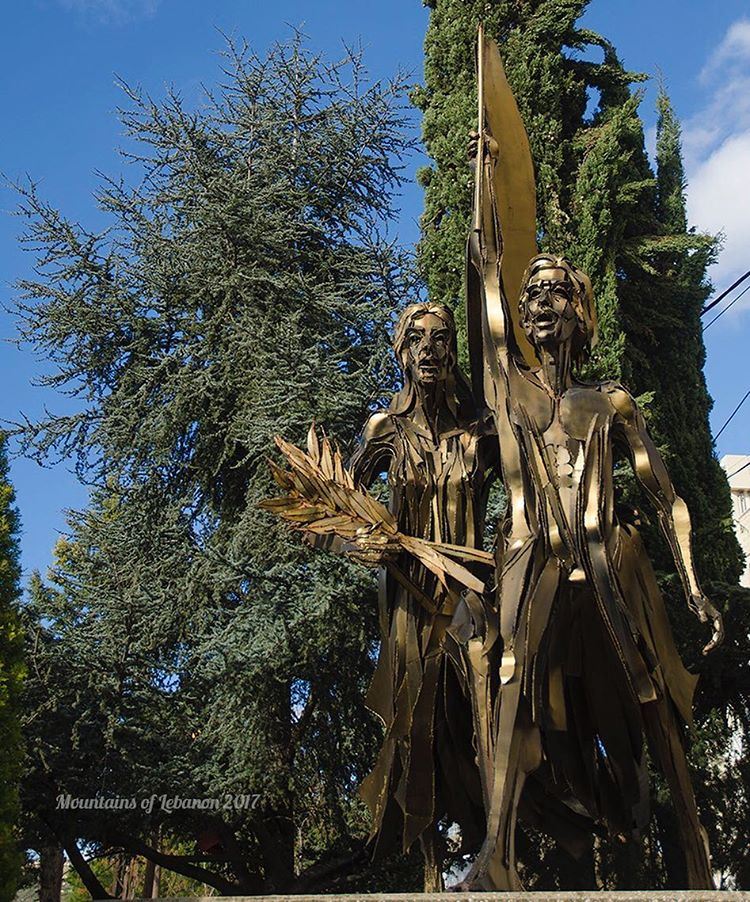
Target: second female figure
[439,453]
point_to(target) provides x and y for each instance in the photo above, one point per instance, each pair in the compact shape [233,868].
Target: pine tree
[600,202]
[11,678]
[243,290]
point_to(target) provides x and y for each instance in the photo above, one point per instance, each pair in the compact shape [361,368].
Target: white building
[737,468]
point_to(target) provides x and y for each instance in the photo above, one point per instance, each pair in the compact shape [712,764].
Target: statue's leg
[666,746]
[480,689]
[433,860]
[517,743]
[517,753]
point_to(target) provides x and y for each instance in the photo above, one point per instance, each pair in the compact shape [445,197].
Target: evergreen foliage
[667,356]
[185,645]
[601,203]
[11,679]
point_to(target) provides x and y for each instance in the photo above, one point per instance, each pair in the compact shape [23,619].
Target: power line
[731,304]
[747,395]
[725,293]
[743,467]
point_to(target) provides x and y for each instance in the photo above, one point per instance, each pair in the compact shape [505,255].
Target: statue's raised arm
[500,244]
[503,235]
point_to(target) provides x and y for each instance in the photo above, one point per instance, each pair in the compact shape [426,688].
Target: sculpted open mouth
[429,368]
[545,320]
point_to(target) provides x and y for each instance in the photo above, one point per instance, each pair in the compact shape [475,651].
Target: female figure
[439,453]
[588,667]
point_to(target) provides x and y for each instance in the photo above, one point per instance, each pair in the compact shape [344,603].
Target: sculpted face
[428,348]
[548,316]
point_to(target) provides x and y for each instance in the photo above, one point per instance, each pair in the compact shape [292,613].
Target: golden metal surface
[438,452]
[514,185]
[588,671]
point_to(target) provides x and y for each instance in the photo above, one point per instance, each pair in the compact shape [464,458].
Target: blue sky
[60,59]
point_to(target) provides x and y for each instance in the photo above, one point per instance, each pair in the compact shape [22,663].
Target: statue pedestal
[624,896]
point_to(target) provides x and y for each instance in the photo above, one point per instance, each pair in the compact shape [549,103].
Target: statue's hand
[472,148]
[372,550]
[705,611]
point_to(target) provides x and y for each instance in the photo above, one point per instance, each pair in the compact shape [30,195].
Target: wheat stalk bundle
[322,499]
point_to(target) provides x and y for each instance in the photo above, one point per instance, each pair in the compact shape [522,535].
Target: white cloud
[716,143]
[718,202]
[734,47]
[111,12]
[650,143]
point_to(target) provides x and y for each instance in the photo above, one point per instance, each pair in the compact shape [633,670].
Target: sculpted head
[425,343]
[557,306]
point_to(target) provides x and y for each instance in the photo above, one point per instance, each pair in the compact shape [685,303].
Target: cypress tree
[600,201]
[668,355]
[11,678]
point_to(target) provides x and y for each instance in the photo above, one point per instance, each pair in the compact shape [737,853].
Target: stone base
[626,896]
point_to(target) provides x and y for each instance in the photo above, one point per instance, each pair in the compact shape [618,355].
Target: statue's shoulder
[379,426]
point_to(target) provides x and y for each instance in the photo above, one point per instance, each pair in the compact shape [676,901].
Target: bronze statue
[588,665]
[439,453]
[534,701]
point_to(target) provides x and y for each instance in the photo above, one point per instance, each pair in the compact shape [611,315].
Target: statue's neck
[557,369]
[432,409]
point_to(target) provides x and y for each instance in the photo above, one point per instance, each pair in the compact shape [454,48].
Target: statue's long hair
[458,394]
[587,334]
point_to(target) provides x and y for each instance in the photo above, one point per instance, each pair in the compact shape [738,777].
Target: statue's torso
[438,483]
[564,472]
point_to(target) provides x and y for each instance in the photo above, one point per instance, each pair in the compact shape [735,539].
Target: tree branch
[88,877]
[175,863]
[313,875]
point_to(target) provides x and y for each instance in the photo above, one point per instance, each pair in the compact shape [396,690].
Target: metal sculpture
[588,668]
[439,453]
[535,701]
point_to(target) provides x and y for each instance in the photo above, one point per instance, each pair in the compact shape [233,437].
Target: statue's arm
[672,511]
[374,449]
[495,359]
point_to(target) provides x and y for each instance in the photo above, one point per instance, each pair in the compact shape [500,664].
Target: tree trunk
[118,875]
[673,856]
[51,861]
[88,877]
[152,876]
[130,877]
[276,838]
[277,832]
[149,880]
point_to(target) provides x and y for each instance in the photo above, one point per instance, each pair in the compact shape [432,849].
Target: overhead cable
[731,416]
[725,293]
[731,304]
[743,467]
